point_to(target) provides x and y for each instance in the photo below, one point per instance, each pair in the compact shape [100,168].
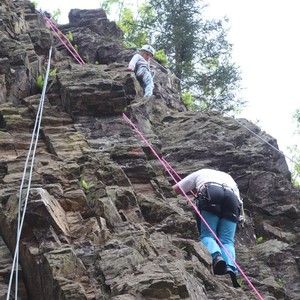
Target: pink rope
[58,33]
[174,172]
[163,162]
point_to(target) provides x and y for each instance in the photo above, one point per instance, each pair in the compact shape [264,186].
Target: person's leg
[226,233]
[206,237]
[209,241]
[139,75]
[148,83]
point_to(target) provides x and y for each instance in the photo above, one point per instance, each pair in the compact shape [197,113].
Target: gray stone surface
[102,221]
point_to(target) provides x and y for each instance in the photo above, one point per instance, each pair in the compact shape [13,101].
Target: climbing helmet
[148,48]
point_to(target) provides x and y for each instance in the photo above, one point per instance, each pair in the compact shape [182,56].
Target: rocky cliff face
[125,235]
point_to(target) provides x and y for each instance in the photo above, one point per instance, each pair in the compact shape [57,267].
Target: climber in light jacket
[219,203]
[140,65]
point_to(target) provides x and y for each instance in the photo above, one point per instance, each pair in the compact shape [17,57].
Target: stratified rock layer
[102,221]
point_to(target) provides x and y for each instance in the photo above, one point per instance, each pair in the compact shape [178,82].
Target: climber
[140,65]
[218,200]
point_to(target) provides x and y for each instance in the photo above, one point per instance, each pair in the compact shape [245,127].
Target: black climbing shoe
[219,265]
[233,277]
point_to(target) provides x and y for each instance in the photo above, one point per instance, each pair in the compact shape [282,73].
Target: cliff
[125,235]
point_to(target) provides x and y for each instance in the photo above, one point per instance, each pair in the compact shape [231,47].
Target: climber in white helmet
[140,65]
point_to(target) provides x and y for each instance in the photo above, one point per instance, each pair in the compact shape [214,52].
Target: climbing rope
[31,154]
[62,36]
[170,172]
[255,134]
[262,139]
[175,173]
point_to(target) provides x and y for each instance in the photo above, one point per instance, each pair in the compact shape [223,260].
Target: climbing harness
[220,200]
[31,154]
[170,172]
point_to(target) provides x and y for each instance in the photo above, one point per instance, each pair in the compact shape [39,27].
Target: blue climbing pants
[225,231]
[145,77]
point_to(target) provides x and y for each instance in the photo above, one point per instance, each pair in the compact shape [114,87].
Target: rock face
[100,218]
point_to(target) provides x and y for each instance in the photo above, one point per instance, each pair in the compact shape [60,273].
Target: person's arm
[177,189]
[186,184]
[132,63]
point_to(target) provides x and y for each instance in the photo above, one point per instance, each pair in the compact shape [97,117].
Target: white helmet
[148,48]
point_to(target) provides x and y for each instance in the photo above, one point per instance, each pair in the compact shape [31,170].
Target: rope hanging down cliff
[30,155]
[64,39]
[162,161]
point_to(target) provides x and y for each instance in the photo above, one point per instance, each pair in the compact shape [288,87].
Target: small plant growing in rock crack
[69,35]
[280,282]
[85,185]
[241,282]
[41,79]
[35,3]
[40,82]
[259,240]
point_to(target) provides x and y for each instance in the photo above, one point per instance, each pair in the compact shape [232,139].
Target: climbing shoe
[219,265]
[233,277]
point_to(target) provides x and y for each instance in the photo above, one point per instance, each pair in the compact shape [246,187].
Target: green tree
[117,5]
[199,53]
[132,34]
[126,15]
[135,32]
[295,151]
[55,15]
[35,3]
[174,29]
[217,85]
[296,116]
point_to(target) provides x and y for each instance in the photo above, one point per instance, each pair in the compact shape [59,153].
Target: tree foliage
[174,29]
[56,14]
[296,116]
[199,53]
[295,151]
[133,35]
